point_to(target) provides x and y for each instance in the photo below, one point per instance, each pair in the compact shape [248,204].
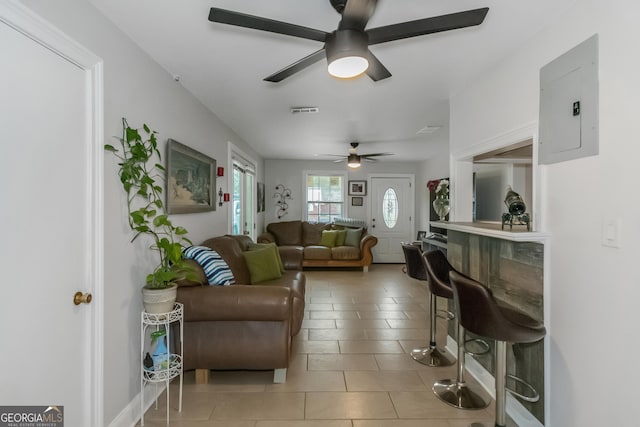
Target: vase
[157,301]
[441,207]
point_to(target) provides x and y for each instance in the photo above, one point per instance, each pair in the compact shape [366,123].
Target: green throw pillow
[271,246]
[328,238]
[263,265]
[353,237]
[341,236]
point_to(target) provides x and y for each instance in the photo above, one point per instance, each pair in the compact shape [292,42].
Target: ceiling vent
[308,110]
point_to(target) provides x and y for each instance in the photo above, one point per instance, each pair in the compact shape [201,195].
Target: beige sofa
[307,237]
[242,326]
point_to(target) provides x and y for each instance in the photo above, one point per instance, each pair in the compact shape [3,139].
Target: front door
[392,207]
[50,171]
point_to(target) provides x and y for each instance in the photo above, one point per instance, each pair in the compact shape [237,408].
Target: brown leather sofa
[306,237]
[242,326]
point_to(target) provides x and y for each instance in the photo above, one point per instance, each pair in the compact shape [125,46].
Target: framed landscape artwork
[191,180]
[357,188]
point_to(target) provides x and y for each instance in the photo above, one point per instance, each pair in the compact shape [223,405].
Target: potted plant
[142,175]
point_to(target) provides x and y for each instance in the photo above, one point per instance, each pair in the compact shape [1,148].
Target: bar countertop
[493,229]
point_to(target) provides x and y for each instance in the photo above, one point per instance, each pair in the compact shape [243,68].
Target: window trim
[305,201]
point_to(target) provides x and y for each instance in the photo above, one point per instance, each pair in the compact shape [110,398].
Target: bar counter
[511,264]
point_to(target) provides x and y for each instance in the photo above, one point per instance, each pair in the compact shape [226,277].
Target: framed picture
[421,235]
[260,197]
[356,201]
[191,180]
[357,188]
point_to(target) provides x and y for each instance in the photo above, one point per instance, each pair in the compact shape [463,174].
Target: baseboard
[130,415]
[520,415]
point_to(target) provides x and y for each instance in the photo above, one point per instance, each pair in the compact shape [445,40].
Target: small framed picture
[421,235]
[356,201]
[357,188]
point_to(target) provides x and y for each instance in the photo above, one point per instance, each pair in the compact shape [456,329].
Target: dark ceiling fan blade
[376,154]
[296,66]
[376,70]
[258,23]
[356,14]
[420,27]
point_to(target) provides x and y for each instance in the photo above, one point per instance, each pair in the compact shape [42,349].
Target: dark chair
[417,268]
[480,313]
[413,261]
[454,392]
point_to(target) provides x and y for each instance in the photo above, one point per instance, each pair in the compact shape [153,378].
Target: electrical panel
[569,105]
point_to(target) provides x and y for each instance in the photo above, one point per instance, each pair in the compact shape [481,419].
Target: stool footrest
[535,395]
[479,341]
[445,314]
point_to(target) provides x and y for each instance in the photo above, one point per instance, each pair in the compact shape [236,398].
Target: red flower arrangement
[439,186]
[433,184]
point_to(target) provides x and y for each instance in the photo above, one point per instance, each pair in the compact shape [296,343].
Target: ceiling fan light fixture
[353,161]
[347,52]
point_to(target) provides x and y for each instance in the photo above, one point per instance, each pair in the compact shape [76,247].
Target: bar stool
[430,355]
[454,392]
[480,313]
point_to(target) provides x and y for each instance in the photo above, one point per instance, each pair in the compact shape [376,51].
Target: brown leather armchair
[242,326]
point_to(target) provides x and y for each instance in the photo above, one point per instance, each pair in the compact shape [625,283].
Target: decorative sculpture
[282,194]
[516,208]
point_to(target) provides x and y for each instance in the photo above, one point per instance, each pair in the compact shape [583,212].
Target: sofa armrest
[292,257]
[367,242]
[266,237]
[236,302]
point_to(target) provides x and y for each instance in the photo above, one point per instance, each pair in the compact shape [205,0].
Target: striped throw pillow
[215,268]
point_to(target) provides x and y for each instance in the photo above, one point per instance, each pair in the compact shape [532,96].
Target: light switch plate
[611,232]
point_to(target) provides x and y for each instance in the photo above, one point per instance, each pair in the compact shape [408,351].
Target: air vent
[308,110]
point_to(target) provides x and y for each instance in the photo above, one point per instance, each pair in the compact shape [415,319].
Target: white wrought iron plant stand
[174,361]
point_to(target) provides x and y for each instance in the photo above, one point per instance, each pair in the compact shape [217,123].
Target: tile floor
[351,365]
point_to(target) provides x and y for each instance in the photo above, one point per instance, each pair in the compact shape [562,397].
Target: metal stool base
[458,395]
[432,356]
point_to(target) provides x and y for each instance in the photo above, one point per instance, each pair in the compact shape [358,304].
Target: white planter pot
[159,300]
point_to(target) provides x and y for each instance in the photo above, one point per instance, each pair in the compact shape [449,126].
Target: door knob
[80,298]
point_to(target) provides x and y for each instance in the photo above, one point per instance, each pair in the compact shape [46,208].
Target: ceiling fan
[353,158]
[347,48]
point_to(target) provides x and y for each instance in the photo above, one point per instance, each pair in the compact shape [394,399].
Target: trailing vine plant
[142,178]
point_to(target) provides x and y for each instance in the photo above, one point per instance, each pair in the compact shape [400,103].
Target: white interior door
[51,204]
[392,207]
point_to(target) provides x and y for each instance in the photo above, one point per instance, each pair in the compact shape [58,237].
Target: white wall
[593,289]
[433,168]
[139,89]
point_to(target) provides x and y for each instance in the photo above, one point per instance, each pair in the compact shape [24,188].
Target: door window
[390,208]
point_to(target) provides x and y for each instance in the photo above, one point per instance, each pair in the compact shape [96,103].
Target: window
[390,208]
[325,197]
[242,199]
